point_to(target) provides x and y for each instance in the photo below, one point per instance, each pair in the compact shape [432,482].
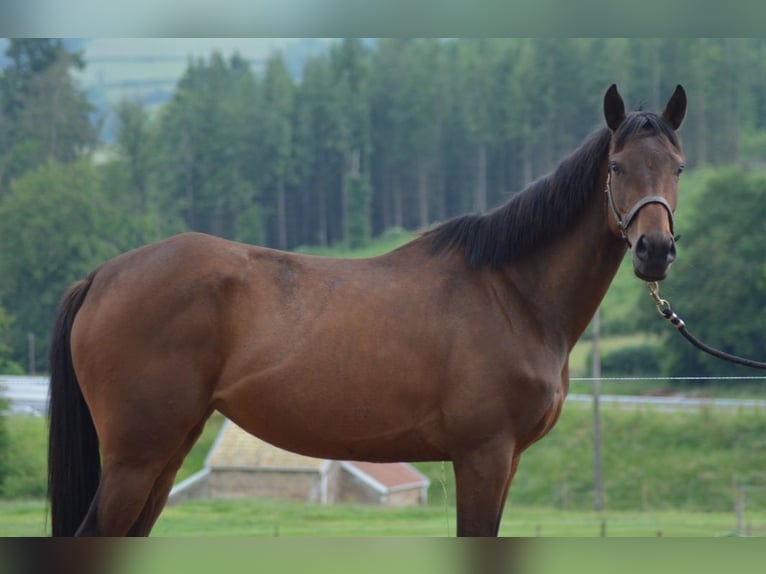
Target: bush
[633,361]
[637,360]
[24,457]
[718,284]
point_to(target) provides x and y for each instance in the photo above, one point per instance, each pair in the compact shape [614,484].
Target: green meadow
[674,474]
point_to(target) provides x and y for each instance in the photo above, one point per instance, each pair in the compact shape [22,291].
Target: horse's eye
[615,167]
[681,167]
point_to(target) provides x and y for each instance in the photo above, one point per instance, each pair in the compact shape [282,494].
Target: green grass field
[673,473]
[266,518]
[653,460]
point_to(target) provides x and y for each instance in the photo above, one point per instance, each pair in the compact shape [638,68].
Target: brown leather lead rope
[664,309]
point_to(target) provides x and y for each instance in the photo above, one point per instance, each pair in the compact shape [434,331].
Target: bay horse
[453,347]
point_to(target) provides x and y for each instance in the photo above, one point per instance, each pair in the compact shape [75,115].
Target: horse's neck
[566,281]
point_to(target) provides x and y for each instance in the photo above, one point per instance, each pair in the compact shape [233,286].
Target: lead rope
[663,307]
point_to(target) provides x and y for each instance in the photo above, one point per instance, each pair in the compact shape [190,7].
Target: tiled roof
[392,476]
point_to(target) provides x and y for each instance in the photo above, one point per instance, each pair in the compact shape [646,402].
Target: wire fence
[744,495]
[668,379]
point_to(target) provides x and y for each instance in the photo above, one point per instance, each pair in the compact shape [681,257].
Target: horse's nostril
[642,248]
[672,252]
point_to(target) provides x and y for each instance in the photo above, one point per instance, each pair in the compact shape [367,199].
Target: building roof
[387,477]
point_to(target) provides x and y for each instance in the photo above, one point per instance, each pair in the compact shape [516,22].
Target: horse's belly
[362,419]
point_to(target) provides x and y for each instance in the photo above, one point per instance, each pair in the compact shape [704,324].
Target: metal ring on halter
[663,306]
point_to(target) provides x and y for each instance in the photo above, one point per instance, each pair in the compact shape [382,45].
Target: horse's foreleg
[482,479]
[509,480]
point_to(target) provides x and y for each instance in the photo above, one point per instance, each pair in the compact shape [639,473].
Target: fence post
[739,508]
[564,494]
[644,496]
[598,470]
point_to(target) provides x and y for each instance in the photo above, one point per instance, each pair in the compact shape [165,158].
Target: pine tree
[45,115]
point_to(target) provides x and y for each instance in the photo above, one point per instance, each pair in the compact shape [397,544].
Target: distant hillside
[148,69]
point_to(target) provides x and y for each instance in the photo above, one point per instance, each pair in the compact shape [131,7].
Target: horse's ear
[675,110]
[614,108]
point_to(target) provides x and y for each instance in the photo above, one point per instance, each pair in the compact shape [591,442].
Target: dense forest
[397,133]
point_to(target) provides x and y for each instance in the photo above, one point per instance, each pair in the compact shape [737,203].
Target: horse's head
[645,162]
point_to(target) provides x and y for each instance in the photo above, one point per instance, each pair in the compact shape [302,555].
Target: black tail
[74,466]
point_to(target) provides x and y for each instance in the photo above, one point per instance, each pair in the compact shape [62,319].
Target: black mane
[547,207]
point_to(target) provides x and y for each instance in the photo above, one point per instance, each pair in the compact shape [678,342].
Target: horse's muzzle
[652,255]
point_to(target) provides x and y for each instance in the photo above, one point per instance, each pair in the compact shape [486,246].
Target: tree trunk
[732,105]
[281,216]
[385,202]
[52,135]
[441,194]
[349,158]
[398,205]
[191,219]
[423,193]
[701,139]
[528,171]
[480,189]
[322,200]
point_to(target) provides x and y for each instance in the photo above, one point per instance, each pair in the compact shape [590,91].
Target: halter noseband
[623,224]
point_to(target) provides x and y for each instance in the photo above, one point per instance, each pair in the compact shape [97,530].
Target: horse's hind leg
[141,456]
[134,487]
[122,493]
[163,485]
[121,496]
[482,479]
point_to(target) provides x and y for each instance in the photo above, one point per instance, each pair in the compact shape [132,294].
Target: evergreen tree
[276,145]
[352,79]
[208,141]
[478,100]
[45,115]
[318,151]
[358,193]
[57,225]
[135,148]
[387,115]
[7,365]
